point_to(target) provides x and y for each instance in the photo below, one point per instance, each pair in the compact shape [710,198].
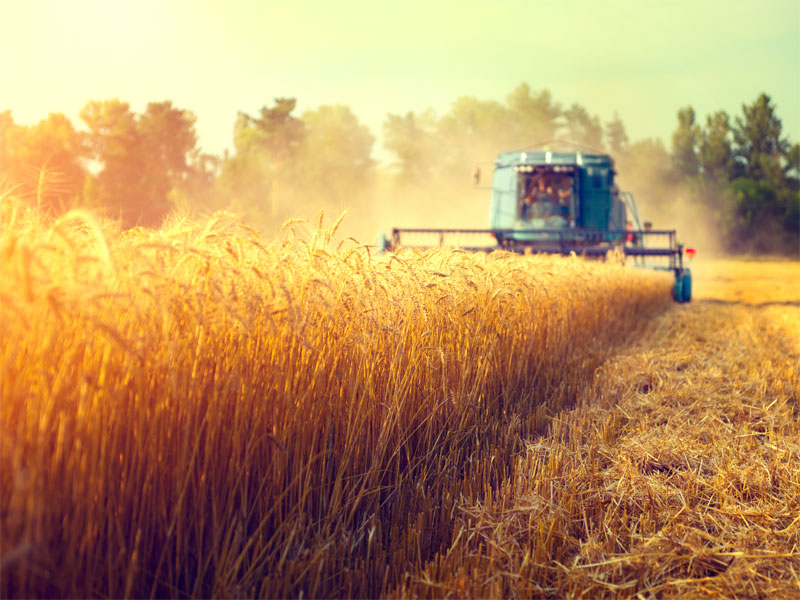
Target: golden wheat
[192,411]
[678,474]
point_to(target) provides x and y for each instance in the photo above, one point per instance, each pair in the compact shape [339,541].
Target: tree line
[140,167]
[745,172]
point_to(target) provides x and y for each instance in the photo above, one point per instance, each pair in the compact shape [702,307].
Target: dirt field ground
[679,473]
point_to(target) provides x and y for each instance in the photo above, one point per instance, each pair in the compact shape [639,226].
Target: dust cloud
[382,201]
[669,205]
[386,201]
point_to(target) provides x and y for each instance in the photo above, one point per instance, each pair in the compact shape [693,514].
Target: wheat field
[197,412]
[676,475]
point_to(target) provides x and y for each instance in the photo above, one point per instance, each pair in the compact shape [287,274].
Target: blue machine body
[543,190]
[560,203]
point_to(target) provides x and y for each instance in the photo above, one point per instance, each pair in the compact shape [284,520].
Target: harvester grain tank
[560,202]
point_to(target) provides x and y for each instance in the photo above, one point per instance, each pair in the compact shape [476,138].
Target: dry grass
[754,283]
[192,412]
[677,475]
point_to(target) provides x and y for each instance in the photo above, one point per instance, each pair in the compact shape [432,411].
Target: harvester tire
[677,289]
[686,286]
[682,289]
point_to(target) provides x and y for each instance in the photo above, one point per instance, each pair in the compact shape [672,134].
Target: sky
[642,59]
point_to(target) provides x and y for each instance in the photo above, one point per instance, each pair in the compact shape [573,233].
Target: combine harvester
[559,203]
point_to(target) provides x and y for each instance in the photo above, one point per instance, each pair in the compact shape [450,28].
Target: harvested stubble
[188,412]
[676,475]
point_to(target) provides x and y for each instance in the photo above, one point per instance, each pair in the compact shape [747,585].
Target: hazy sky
[641,58]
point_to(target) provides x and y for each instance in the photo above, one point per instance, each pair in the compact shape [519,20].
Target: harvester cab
[559,203]
[539,190]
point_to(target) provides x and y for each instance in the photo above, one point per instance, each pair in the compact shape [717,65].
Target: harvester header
[560,202]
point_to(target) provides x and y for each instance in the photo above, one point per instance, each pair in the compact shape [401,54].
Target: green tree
[286,166]
[685,142]
[617,138]
[471,130]
[115,146]
[760,146]
[759,215]
[142,158]
[766,195]
[335,160]
[792,170]
[470,119]
[412,138]
[747,176]
[266,149]
[716,152]
[275,132]
[197,189]
[169,144]
[582,128]
[42,163]
[534,116]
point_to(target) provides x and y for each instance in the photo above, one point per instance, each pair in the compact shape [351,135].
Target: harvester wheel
[677,289]
[682,290]
[686,285]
